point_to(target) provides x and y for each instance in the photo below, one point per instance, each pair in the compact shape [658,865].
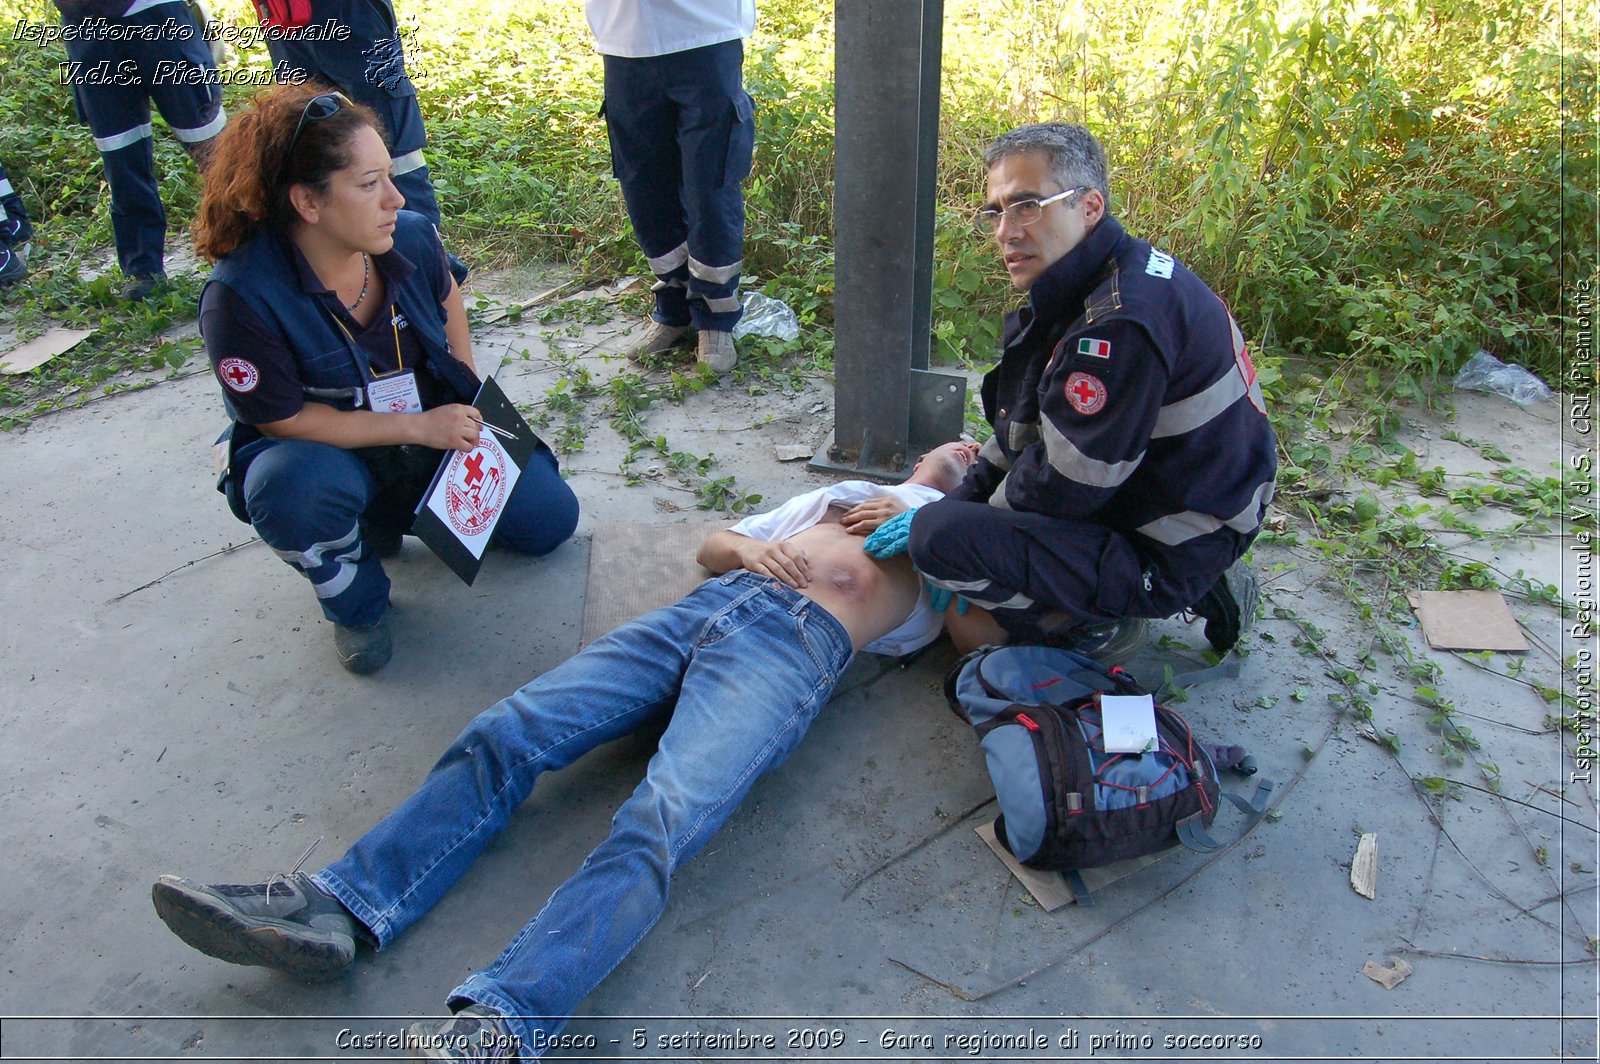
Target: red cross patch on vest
[239,375]
[1086,393]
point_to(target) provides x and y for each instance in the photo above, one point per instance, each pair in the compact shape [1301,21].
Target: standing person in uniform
[15,232]
[355,47]
[340,341]
[124,55]
[682,134]
[1132,460]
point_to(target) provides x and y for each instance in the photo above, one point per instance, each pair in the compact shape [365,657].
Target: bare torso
[870,598]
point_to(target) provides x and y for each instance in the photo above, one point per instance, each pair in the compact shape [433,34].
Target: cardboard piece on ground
[1389,977]
[1466,620]
[1050,889]
[1364,869]
[793,452]
[42,349]
[634,569]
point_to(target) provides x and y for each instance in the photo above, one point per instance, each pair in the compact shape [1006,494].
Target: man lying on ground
[738,667]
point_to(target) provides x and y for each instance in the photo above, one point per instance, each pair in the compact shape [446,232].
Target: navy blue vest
[333,367]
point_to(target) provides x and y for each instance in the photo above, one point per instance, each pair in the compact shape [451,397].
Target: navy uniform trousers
[114,83]
[15,228]
[682,134]
[369,67]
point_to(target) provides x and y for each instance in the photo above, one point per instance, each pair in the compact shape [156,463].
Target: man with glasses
[1132,459]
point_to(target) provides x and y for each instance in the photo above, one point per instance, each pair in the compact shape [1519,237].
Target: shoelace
[286,876]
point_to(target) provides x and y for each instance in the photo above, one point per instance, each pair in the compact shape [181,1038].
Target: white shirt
[801,512]
[638,28]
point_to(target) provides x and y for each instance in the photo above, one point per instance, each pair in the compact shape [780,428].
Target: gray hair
[1072,153]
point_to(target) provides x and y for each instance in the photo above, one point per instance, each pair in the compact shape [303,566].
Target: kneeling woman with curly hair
[327,294]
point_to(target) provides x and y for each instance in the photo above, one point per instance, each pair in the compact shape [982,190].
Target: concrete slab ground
[171,704]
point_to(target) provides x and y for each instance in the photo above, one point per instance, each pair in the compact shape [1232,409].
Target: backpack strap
[1192,830]
[951,677]
[1080,890]
[1224,670]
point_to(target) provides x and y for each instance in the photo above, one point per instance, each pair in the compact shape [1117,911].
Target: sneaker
[363,648]
[1109,644]
[716,350]
[290,924]
[1229,608]
[655,339]
[139,289]
[13,266]
[477,1032]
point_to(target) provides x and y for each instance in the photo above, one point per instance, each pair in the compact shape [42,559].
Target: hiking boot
[1229,608]
[1109,644]
[477,1032]
[655,339]
[139,289]
[13,266]
[716,350]
[363,648]
[289,924]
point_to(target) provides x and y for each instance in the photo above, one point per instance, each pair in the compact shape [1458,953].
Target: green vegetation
[1377,190]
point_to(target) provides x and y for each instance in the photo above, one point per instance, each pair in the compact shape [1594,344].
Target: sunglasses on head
[317,109]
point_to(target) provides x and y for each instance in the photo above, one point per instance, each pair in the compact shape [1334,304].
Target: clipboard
[468,494]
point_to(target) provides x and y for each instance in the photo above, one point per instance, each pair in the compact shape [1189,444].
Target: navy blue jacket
[333,368]
[1124,395]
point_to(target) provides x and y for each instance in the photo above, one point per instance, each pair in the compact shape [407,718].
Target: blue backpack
[1066,804]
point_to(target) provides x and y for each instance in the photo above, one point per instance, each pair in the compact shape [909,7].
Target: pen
[496,429]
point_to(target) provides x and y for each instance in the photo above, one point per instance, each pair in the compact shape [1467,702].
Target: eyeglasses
[317,109]
[1023,212]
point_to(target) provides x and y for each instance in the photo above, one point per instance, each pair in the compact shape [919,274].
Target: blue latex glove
[891,537]
[939,599]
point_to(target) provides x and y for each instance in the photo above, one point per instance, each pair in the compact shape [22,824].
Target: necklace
[366,278]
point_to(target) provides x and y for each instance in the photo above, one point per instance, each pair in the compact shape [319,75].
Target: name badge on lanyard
[395,394]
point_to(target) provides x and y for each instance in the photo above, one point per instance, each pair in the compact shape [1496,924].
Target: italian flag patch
[1094,348]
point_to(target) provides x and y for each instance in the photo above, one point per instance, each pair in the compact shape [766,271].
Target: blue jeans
[741,665]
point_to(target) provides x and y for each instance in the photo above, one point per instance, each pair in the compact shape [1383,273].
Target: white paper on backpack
[1129,722]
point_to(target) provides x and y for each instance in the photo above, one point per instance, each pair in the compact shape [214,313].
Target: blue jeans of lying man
[741,666]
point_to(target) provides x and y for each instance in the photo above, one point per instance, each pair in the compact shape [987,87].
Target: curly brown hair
[248,176]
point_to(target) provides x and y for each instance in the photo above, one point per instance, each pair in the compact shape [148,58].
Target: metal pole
[886,102]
